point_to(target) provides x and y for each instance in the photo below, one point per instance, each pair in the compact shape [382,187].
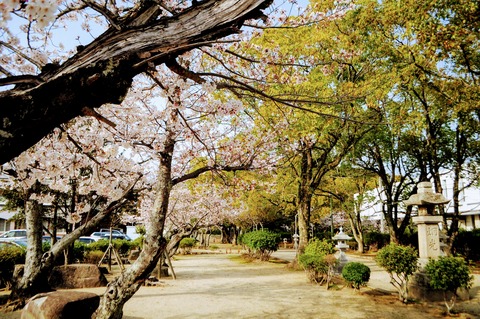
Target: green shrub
[122,246]
[101,244]
[137,243]
[9,257]
[465,244]
[93,256]
[318,261]
[187,244]
[261,243]
[448,274]
[356,274]
[79,250]
[400,262]
[319,247]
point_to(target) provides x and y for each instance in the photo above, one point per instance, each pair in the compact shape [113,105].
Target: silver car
[14,235]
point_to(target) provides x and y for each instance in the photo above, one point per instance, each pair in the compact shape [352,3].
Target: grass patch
[242,259]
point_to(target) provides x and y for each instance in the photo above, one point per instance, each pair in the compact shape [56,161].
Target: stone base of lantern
[419,289]
[428,237]
[341,259]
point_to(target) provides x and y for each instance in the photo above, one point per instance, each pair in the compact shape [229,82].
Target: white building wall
[469,203]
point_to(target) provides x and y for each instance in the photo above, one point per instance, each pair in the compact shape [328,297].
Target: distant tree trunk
[228,234]
[357,230]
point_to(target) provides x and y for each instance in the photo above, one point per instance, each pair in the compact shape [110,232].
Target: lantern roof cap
[425,196]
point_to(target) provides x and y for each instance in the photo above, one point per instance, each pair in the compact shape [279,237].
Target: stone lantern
[429,245]
[341,239]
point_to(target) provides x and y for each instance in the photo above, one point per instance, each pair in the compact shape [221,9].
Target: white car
[15,234]
[116,234]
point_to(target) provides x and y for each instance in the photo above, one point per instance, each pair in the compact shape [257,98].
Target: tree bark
[34,279]
[103,71]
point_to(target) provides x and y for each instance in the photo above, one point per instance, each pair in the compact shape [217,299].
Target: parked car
[116,234]
[14,234]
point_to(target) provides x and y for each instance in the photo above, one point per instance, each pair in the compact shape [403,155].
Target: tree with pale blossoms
[78,175]
[140,40]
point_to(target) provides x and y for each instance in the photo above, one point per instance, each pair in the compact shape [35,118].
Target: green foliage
[122,246]
[356,274]
[101,245]
[376,240]
[398,259]
[9,257]
[137,243]
[188,242]
[186,245]
[141,230]
[448,274]
[93,256]
[79,250]
[318,260]
[400,262]
[465,244]
[261,242]
[319,247]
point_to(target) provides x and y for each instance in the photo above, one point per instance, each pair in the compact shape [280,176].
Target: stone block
[61,305]
[77,276]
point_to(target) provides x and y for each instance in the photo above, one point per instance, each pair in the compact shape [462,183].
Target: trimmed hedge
[400,262]
[261,243]
[449,274]
[187,244]
[318,261]
[356,274]
[9,257]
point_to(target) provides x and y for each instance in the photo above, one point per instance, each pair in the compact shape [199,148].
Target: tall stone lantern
[429,245]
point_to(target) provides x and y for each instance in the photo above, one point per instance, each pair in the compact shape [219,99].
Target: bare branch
[24,56]
[110,16]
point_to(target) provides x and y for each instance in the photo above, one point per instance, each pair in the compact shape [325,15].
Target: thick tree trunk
[103,71]
[120,290]
[303,221]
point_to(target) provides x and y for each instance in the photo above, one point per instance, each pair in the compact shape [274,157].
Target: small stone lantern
[428,231]
[341,239]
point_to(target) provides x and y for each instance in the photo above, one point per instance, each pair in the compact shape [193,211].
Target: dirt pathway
[220,286]
[215,286]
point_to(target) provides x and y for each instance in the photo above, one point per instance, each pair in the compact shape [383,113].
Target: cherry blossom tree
[139,42]
[76,168]
[54,85]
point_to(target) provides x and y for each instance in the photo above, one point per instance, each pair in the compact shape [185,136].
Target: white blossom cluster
[40,11]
